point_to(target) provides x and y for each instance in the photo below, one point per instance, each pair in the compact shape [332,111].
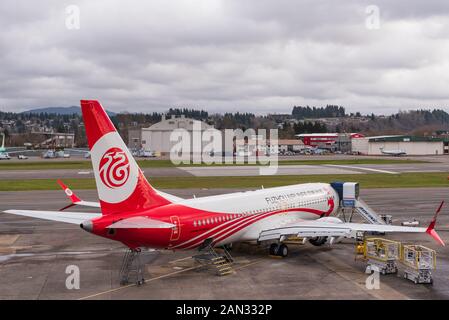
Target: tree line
[329,111]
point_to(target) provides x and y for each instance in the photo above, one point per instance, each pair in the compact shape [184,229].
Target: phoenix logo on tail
[114,168]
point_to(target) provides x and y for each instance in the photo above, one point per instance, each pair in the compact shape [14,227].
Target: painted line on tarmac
[347,272]
[249,264]
[134,285]
[361,168]
[180,259]
[160,277]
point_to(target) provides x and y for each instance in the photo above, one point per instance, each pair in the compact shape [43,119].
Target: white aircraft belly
[252,232]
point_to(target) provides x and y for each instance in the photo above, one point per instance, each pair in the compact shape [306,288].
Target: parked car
[4,156]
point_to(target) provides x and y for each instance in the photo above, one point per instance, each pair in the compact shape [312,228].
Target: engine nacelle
[330,219]
[318,241]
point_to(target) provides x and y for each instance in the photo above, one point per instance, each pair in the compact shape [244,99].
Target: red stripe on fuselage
[245,222]
[206,235]
[244,225]
[190,236]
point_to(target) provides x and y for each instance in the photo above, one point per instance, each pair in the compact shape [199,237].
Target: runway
[81,173]
[34,255]
[220,171]
[241,171]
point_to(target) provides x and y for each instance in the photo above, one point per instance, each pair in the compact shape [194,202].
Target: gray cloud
[259,56]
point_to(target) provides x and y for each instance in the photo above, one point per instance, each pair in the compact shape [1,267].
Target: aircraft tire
[283,251]
[273,249]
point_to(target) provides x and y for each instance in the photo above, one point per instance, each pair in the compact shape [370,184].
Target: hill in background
[61,111]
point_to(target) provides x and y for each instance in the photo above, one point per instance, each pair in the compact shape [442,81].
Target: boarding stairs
[132,267]
[219,258]
[365,211]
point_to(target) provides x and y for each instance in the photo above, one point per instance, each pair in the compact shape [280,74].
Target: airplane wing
[67,217]
[333,227]
[18,151]
[319,228]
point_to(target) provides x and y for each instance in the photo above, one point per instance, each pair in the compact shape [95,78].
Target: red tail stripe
[96,121]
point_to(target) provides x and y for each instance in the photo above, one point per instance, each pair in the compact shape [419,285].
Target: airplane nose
[87,226]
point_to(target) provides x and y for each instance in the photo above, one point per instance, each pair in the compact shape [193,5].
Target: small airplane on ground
[138,215]
[395,153]
[5,153]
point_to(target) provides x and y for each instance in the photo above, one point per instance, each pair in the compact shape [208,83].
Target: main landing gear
[280,250]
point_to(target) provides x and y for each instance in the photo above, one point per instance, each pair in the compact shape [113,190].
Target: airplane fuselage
[226,218]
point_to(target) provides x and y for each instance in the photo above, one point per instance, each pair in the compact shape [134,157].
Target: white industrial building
[253,147]
[411,145]
[294,145]
[157,137]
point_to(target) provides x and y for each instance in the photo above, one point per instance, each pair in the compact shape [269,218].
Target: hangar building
[157,137]
[412,145]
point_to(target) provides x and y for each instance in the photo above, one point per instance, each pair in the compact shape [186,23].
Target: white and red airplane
[139,216]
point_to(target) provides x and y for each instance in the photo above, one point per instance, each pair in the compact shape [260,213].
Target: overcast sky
[257,56]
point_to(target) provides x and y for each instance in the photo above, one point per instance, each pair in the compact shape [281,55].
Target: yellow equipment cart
[381,254]
[419,262]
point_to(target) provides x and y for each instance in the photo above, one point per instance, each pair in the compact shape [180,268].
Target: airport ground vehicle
[4,156]
[50,154]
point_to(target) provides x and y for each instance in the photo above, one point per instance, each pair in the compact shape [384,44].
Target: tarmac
[34,255]
[211,171]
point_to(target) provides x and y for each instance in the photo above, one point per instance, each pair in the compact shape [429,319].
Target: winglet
[69,193]
[431,228]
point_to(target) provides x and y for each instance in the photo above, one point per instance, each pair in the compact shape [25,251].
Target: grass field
[70,164]
[405,180]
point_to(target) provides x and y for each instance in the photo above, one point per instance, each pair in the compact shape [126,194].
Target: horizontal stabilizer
[74,199]
[67,217]
[141,223]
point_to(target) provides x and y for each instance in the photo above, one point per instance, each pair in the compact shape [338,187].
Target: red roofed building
[323,139]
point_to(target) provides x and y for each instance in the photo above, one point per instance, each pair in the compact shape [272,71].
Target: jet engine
[318,241]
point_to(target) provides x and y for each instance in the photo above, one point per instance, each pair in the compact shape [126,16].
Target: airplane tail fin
[120,183]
